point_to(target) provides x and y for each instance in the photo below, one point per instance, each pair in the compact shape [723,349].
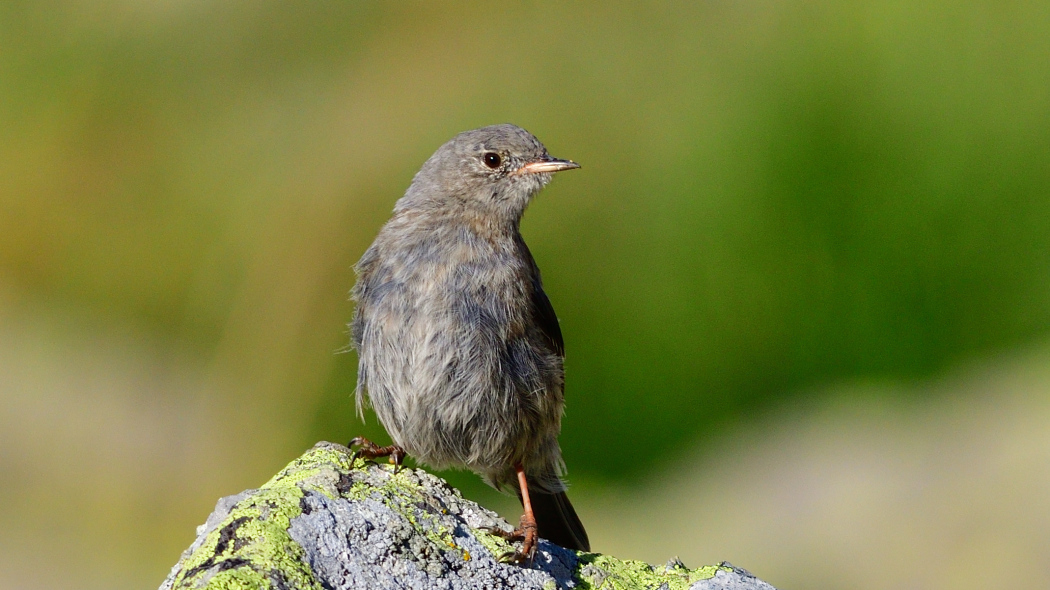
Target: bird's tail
[556,520]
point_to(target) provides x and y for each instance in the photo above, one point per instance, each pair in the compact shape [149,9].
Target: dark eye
[491,159]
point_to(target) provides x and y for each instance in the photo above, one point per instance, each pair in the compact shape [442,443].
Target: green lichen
[495,544]
[310,470]
[405,497]
[252,548]
[400,492]
[601,572]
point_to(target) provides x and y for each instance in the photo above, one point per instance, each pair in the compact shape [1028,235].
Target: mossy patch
[601,572]
[496,545]
[252,547]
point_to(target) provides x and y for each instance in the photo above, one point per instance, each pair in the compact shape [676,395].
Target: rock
[324,523]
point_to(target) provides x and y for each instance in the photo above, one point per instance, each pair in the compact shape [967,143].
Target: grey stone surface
[324,523]
[730,577]
[222,510]
[365,544]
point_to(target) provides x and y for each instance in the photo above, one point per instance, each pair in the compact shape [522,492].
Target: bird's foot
[368,450]
[512,536]
[527,534]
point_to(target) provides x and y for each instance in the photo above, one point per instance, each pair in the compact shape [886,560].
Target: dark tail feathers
[557,521]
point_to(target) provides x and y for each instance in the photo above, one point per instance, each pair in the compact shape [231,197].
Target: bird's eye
[491,159]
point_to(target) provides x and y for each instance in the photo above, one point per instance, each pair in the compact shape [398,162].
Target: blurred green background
[803,276]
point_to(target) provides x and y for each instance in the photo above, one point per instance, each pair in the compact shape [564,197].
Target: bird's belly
[462,397]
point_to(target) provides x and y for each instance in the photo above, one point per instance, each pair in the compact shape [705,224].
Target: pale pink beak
[547,165]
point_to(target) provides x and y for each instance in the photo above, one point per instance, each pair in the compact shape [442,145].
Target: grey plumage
[460,350]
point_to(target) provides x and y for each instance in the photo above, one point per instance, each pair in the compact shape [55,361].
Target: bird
[459,349]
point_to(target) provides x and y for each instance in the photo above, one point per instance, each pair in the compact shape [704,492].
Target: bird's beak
[547,164]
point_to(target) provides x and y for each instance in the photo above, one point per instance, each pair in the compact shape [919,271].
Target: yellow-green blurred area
[803,275]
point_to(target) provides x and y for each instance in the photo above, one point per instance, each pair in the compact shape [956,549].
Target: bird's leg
[370,450]
[526,531]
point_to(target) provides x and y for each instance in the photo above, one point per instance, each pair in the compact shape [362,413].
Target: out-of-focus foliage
[773,196]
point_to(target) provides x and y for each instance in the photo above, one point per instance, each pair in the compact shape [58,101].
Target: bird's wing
[542,310]
[546,318]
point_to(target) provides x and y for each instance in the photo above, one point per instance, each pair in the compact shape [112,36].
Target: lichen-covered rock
[324,523]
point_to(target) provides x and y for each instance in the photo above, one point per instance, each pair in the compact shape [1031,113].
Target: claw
[369,450]
[519,557]
[525,533]
[515,535]
[397,455]
[515,557]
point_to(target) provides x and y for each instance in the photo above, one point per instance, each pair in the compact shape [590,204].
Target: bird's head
[492,171]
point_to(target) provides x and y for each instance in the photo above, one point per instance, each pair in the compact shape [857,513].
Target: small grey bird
[459,348]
